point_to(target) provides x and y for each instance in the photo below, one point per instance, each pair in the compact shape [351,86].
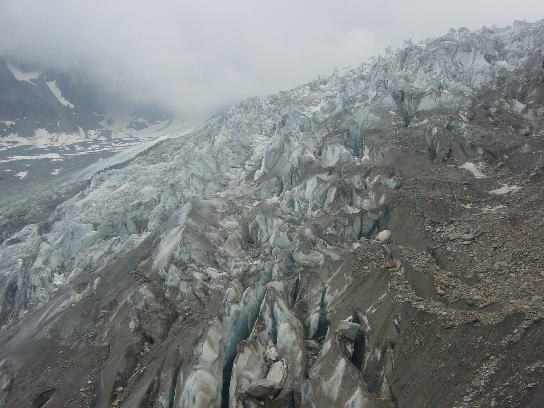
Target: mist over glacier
[198,57]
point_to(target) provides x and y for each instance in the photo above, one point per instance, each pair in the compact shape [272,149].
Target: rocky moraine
[369,239]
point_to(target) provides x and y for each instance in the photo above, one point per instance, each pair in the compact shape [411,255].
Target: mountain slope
[33,100]
[53,124]
[33,103]
[369,239]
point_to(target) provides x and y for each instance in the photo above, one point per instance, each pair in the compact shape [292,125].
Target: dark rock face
[349,330]
[54,125]
[30,104]
[32,101]
[371,239]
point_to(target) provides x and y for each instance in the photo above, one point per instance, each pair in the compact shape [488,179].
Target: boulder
[271,353]
[349,330]
[383,236]
[261,389]
[271,385]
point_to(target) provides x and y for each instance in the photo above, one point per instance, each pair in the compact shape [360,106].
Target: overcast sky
[196,56]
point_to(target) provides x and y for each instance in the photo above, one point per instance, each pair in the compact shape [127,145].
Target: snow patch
[58,94]
[36,157]
[504,190]
[43,139]
[23,76]
[473,169]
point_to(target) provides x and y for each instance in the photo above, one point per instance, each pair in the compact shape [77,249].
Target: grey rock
[270,386]
[383,236]
[312,345]
[349,330]
[262,389]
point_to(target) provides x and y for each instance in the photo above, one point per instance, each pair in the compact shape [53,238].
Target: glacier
[295,251]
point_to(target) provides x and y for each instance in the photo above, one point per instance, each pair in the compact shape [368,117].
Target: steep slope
[49,103]
[54,123]
[369,239]
[32,100]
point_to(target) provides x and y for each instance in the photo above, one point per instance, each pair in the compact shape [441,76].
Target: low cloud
[198,56]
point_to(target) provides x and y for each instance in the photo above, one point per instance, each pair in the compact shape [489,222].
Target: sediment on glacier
[368,239]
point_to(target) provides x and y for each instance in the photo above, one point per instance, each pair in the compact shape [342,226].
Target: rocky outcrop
[36,103]
[328,246]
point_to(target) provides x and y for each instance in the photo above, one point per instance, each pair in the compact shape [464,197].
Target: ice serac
[369,239]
